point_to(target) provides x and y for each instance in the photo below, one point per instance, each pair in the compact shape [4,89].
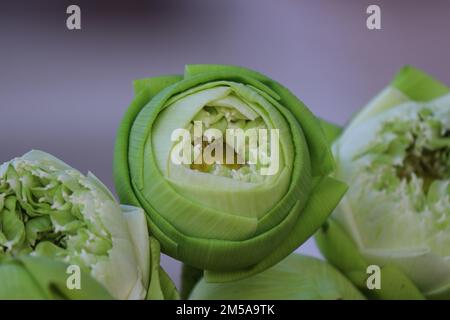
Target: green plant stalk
[41,278]
[342,253]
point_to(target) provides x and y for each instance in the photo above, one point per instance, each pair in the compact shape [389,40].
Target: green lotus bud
[48,209]
[233,216]
[395,155]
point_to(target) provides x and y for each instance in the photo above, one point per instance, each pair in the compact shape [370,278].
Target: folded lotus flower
[395,155]
[50,210]
[295,278]
[250,204]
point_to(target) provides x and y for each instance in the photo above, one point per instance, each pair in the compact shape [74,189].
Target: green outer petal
[340,251]
[168,288]
[42,278]
[144,89]
[296,277]
[388,98]
[137,227]
[418,85]
[133,135]
[324,198]
[45,158]
[338,248]
[409,84]
[17,283]
[441,294]
[154,85]
[215,254]
[161,286]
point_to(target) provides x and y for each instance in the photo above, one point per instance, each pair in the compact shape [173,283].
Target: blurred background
[65,91]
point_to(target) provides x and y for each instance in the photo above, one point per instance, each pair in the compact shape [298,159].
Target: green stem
[189,278]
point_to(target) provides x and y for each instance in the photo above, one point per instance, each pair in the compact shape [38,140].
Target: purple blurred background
[65,91]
